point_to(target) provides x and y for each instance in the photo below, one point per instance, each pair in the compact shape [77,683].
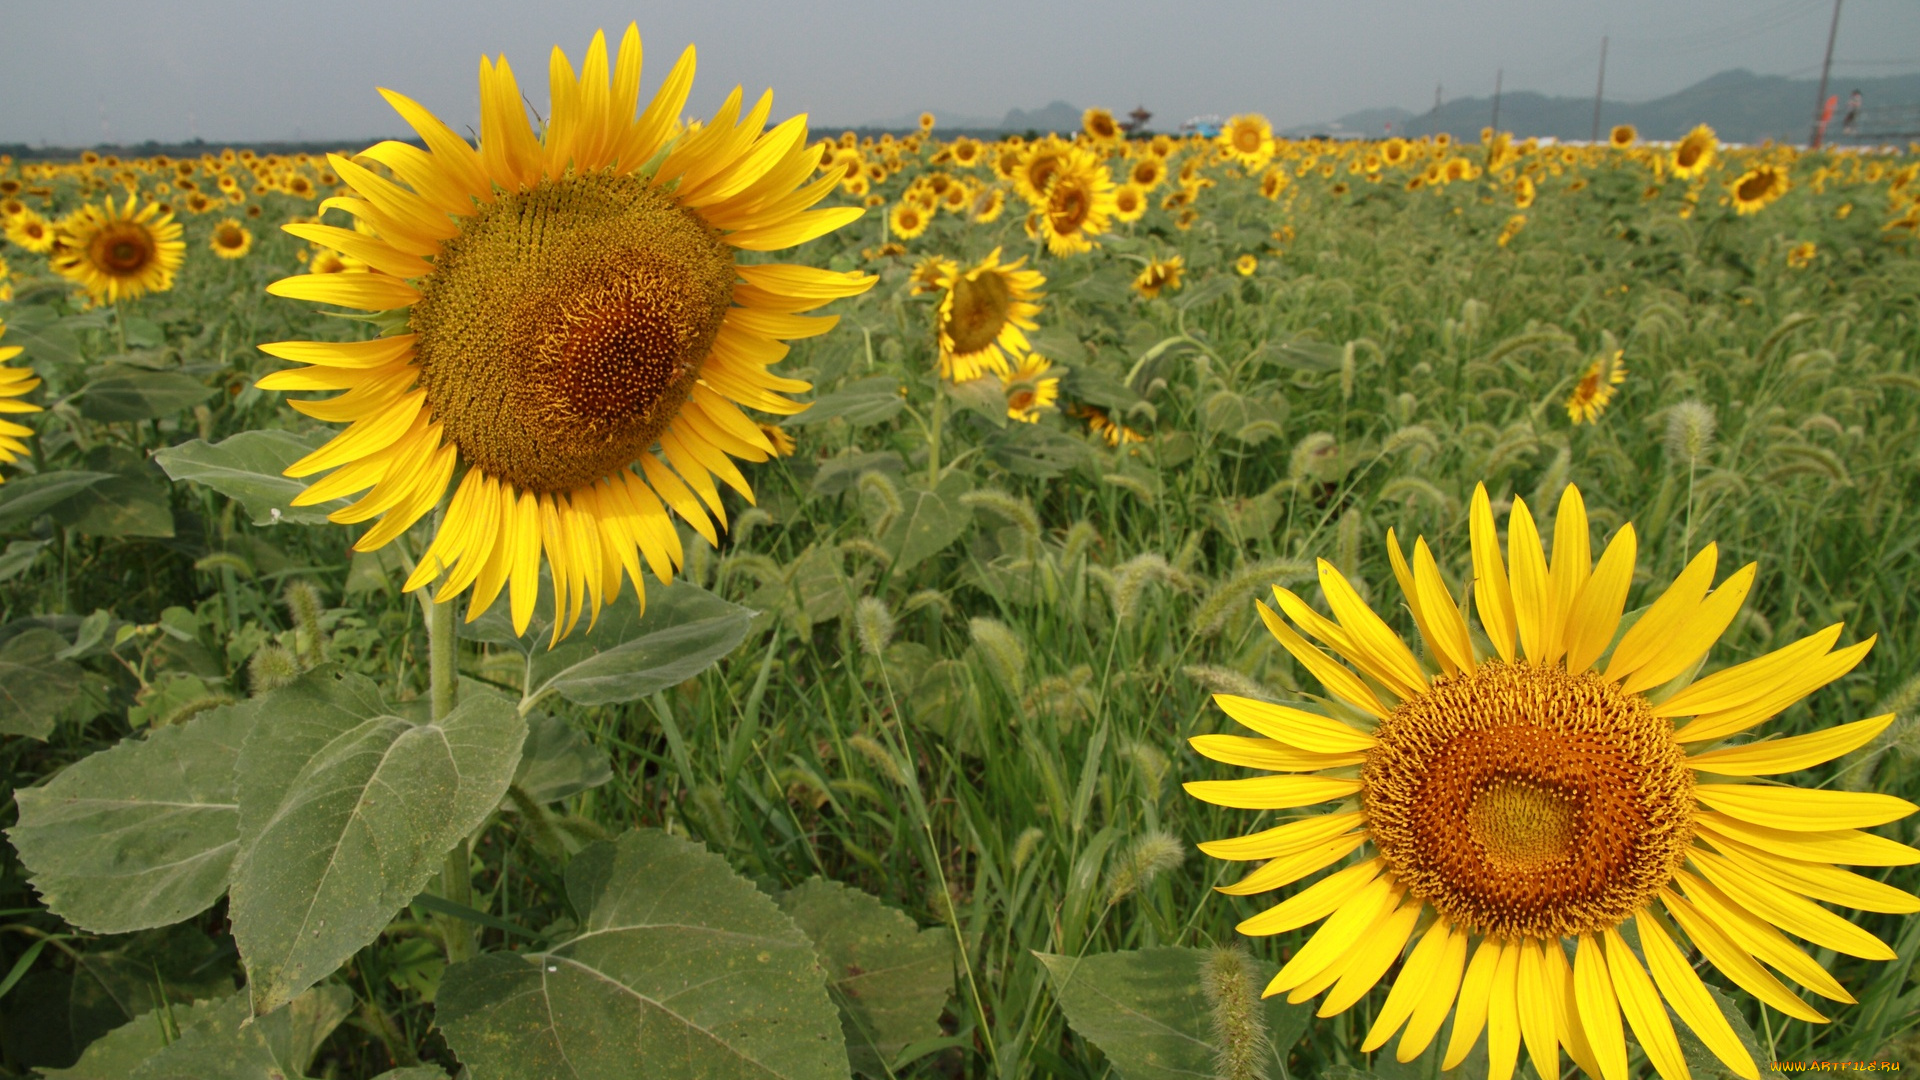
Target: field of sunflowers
[641,595]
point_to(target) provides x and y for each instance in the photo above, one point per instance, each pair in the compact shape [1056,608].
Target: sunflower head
[1695,153]
[29,231]
[1161,275]
[1078,205]
[982,315]
[119,252]
[1594,391]
[1246,265]
[14,382]
[579,337]
[1622,136]
[1248,139]
[1758,187]
[230,239]
[1524,791]
[1100,126]
[1031,388]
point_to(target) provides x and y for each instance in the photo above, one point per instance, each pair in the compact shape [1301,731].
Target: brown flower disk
[1526,801]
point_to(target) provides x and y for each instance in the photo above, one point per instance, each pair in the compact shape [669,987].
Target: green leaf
[141,835]
[118,392]
[180,964]
[27,497]
[984,396]
[132,501]
[346,807]
[627,655]
[118,1053]
[559,760]
[418,1072]
[1040,452]
[20,555]
[929,521]
[249,468]
[682,968]
[889,977]
[861,403]
[1145,1010]
[34,683]
[1704,1062]
[843,473]
[47,338]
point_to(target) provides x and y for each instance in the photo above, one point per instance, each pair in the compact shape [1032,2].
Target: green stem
[933,439]
[456,878]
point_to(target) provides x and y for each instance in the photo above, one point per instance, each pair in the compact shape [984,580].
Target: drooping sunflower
[1757,187]
[570,328]
[13,383]
[1695,153]
[1594,392]
[1161,275]
[983,314]
[1248,139]
[1622,136]
[1100,125]
[1529,799]
[1031,389]
[1078,204]
[230,239]
[118,253]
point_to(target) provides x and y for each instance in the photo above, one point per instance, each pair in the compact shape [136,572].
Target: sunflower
[982,315]
[988,202]
[966,152]
[1102,425]
[1246,265]
[1535,797]
[1158,276]
[1037,166]
[29,231]
[926,121]
[570,325]
[1147,172]
[1078,204]
[1100,126]
[13,383]
[1248,139]
[1622,136]
[1273,182]
[931,274]
[6,282]
[1031,388]
[1758,187]
[118,253]
[1801,255]
[1511,229]
[909,219]
[230,239]
[1592,394]
[1695,153]
[1523,192]
[1129,202]
[783,444]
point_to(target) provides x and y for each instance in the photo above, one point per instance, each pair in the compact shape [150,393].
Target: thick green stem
[933,438]
[443,682]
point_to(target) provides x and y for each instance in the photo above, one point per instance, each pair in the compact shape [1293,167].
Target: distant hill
[1739,105]
[1055,116]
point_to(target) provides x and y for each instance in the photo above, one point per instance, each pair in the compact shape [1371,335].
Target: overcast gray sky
[78,72]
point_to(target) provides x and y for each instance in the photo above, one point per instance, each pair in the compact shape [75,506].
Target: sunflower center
[122,249]
[1246,139]
[980,308]
[1069,207]
[1755,187]
[1525,801]
[563,328]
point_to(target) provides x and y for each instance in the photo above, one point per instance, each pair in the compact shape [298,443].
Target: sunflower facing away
[13,383]
[119,253]
[1526,794]
[568,324]
[982,313]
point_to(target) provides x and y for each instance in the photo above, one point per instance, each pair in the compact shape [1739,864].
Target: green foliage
[249,468]
[680,968]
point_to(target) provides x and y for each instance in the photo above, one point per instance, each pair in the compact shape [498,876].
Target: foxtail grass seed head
[1220,680]
[878,756]
[1147,858]
[305,606]
[1025,845]
[874,625]
[880,499]
[271,667]
[1151,763]
[1240,1044]
[1690,430]
[1004,654]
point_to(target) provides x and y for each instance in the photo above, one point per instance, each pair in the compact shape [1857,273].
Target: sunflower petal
[1790,754]
[1599,1010]
[1369,634]
[1337,679]
[1267,754]
[1597,608]
[353,355]
[1819,882]
[1535,1006]
[1375,953]
[1742,684]
[1287,869]
[1653,631]
[1797,915]
[1640,1001]
[1295,727]
[1503,1016]
[1696,633]
[1470,1011]
[1436,999]
[1315,902]
[1733,960]
[1683,990]
[1848,846]
[1422,966]
[1283,839]
[1337,936]
[368,292]
[1802,680]
[1803,809]
[1454,642]
[1272,792]
[1492,595]
[1533,594]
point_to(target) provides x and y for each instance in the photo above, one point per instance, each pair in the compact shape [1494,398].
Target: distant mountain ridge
[1739,105]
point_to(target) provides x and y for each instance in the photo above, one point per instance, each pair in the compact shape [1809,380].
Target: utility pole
[1433,118]
[1600,90]
[1498,74]
[1820,102]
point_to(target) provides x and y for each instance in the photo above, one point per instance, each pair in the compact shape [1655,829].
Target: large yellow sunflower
[118,253]
[1520,797]
[1079,203]
[1248,139]
[1758,187]
[1694,155]
[13,383]
[982,314]
[30,232]
[567,323]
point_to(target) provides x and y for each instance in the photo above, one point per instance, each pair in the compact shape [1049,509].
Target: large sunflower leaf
[1146,1011]
[141,835]
[137,974]
[117,392]
[212,1040]
[559,760]
[889,977]
[681,968]
[24,498]
[930,519]
[35,683]
[627,655]
[346,807]
[861,403]
[249,467]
